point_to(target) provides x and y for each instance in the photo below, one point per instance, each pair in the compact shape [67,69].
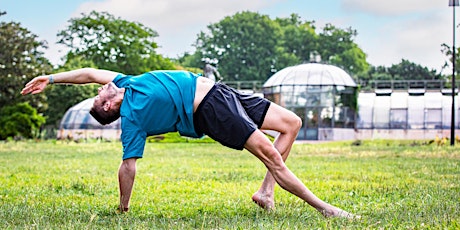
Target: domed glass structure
[77,123]
[324,96]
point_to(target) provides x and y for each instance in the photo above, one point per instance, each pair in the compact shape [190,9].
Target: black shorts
[229,116]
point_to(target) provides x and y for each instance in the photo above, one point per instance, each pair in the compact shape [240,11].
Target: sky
[388,31]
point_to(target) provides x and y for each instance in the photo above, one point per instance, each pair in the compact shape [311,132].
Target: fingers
[35,91]
[32,91]
[33,87]
[27,89]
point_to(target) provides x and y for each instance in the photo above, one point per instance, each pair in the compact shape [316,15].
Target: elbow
[89,73]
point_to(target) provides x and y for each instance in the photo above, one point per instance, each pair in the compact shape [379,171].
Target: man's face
[105,94]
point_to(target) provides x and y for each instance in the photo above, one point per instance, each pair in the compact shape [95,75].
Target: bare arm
[79,76]
[126,175]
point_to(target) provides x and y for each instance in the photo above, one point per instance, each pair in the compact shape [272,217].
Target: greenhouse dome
[311,74]
[77,123]
[323,96]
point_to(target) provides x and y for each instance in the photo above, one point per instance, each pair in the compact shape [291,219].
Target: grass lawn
[393,185]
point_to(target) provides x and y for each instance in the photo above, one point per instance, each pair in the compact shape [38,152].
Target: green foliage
[21,58]
[299,39]
[447,50]
[113,43]
[251,46]
[393,185]
[192,61]
[336,46]
[20,120]
[244,44]
[405,70]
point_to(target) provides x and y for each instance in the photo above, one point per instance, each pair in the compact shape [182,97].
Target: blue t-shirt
[154,103]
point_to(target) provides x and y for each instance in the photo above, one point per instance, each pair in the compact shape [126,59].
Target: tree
[299,39]
[447,50]
[405,70]
[377,73]
[19,120]
[188,60]
[113,43]
[336,47]
[245,45]
[250,46]
[21,59]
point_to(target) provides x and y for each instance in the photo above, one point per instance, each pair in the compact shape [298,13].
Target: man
[166,101]
[211,72]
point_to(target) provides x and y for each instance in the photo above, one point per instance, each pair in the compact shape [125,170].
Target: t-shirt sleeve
[121,80]
[133,140]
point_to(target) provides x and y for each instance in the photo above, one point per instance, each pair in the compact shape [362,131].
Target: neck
[118,99]
[121,93]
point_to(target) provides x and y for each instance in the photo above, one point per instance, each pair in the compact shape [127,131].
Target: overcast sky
[388,31]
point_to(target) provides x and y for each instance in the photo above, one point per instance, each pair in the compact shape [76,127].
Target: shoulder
[121,80]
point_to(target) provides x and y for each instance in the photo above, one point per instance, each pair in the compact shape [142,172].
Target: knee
[295,123]
[274,160]
[291,123]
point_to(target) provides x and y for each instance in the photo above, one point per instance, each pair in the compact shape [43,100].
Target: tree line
[244,46]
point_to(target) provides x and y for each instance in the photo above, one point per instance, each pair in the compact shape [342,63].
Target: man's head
[106,107]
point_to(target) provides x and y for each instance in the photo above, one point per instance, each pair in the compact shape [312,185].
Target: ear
[107,106]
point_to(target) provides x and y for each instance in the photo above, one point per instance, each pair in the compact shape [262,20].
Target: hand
[122,209]
[36,85]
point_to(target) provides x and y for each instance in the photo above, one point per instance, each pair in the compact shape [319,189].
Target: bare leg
[259,145]
[274,155]
[288,125]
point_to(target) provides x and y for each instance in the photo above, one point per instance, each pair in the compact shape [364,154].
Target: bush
[20,120]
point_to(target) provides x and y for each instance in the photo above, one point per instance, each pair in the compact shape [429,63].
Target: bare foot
[337,212]
[264,201]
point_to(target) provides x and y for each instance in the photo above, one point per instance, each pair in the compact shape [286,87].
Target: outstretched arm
[79,76]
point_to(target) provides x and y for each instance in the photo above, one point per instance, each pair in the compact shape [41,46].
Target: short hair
[104,117]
